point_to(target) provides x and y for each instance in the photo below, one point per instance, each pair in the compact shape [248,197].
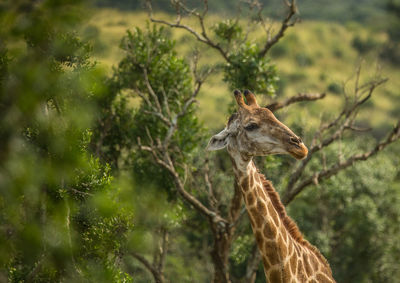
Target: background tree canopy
[104,122]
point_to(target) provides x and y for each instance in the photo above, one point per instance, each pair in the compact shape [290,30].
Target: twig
[333,170]
[159,278]
[287,22]
[202,37]
[297,98]
[252,265]
[344,121]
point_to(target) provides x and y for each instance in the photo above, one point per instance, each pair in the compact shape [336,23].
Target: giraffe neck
[284,258]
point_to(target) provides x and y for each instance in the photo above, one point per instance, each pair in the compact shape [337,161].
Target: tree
[391,49]
[195,181]
[61,215]
[106,178]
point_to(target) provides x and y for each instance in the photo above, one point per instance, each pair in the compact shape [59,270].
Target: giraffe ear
[219,141]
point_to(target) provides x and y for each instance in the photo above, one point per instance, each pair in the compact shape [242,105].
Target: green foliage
[228,30]
[150,61]
[364,45]
[280,50]
[54,227]
[391,51]
[350,218]
[69,210]
[247,70]
[335,88]
[304,60]
[340,11]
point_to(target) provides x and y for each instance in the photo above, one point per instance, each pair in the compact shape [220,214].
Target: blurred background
[106,108]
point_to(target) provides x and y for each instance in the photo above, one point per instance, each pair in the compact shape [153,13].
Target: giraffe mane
[288,222]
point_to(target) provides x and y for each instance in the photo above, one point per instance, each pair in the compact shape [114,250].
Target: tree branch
[333,170]
[202,37]
[158,278]
[344,121]
[162,250]
[297,98]
[252,265]
[287,22]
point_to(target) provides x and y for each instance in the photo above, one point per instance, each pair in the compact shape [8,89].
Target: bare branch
[287,22]
[202,37]
[344,121]
[158,277]
[162,250]
[151,91]
[210,192]
[252,265]
[297,98]
[333,170]
[236,204]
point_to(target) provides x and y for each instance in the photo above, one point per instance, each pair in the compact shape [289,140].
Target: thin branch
[202,37]
[297,98]
[252,265]
[333,170]
[67,225]
[210,191]
[162,250]
[286,23]
[235,211]
[159,278]
[150,89]
[344,121]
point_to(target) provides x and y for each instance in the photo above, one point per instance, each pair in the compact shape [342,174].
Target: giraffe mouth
[299,151]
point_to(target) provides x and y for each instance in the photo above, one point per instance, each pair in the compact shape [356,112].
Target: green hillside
[314,56]
[366,11]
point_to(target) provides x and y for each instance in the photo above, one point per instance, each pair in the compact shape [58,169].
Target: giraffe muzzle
[298,151]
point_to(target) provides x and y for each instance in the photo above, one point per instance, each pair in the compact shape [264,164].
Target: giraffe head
[255,131]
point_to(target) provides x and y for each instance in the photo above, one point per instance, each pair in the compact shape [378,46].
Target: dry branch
[341,165]
[252,265]
[200,36]
[344,121]
[286,23]
[158,277]
[297,98]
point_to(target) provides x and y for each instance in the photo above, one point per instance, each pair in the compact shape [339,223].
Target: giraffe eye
[251,127]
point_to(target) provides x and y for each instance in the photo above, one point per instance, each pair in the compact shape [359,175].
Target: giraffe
[255,131]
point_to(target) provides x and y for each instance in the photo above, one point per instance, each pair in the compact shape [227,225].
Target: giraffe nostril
[295,141]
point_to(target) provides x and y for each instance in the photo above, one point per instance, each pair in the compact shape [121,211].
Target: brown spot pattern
[258,218]
[267,212]
[323,279]
[251,181]
[250,199]
[293,263]
[275,276]
[259,239]
[261,207]
[260,193]
[245,184]
[286,273]
[282,247]
[271,252]
[307,265]
[268,231]
[273,214]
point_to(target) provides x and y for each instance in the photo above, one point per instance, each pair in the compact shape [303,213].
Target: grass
[312,56]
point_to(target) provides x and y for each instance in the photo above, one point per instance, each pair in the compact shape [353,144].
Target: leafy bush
[279,50]
[349,218]
[364,45]
[304,60]
[335,88]
[54,195]
[228,30]
[247,70]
